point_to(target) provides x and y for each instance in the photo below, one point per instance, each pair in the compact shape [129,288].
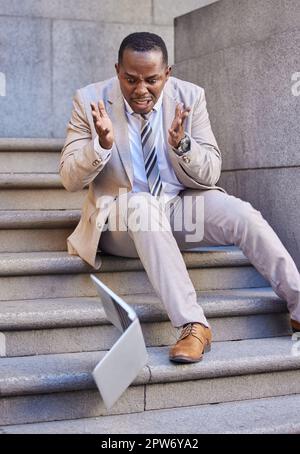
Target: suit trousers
[140,226]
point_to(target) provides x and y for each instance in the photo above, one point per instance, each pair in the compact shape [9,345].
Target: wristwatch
[184,146]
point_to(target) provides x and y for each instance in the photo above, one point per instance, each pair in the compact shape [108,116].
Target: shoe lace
[188,329]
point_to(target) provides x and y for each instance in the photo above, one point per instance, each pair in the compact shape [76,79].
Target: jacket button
[186,159]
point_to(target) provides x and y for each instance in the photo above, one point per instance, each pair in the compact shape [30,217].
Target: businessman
[143,143]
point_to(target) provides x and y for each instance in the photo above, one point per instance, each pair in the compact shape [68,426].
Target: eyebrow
[134,77]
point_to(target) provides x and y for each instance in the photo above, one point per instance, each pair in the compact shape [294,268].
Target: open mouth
[142,102]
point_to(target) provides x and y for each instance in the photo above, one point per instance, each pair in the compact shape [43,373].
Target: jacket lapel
[117,114]
[170,102]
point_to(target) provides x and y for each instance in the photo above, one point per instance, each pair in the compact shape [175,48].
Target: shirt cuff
[101,152]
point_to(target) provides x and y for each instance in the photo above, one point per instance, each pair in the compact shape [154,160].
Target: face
[142,77]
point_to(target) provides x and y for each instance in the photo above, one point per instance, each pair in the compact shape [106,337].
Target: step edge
[77,318]
[63,263]
[149,375]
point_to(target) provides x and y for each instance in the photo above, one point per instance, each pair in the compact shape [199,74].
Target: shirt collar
[156,107]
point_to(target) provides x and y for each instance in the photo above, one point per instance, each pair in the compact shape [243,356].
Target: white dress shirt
[170,183]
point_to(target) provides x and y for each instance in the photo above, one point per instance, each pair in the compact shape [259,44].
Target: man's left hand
[176,132]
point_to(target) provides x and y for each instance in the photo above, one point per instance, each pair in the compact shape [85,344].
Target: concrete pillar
[246,54]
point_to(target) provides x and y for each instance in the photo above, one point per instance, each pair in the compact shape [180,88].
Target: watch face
[185,144]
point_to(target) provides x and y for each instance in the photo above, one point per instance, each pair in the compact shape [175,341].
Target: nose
[141,89]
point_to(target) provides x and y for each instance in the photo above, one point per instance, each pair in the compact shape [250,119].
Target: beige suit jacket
[81,165]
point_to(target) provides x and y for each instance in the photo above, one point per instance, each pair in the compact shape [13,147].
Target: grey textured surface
[249,93]
[15,180]
[57,406]
[165,11]
[31,144]
[234,370]
[31,162]
[242,357]
[30,240]
[269,415]
[76,325]
[96,10]
[244,53]
[72,371]
[124,282]
[93,338]
[253,386]
[68,312]
[33,219]
[60,262]
[43,199]
[25,50]
[230,23]
[258,187]
[36,230]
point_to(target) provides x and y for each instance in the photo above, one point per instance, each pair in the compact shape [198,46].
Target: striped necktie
[150,157]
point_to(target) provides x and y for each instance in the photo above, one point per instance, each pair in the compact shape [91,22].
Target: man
[149,134]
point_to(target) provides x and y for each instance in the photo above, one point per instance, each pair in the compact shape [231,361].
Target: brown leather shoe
[193,341]
[295,326]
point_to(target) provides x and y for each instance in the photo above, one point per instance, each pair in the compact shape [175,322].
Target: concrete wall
[48,49]
[245,53]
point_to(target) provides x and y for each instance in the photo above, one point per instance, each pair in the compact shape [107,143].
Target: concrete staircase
[53,330]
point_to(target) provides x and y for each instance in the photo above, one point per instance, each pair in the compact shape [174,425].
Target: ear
[168,72]
[117,68]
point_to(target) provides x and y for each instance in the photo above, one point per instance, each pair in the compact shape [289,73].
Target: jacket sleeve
[80,161]
[203,161]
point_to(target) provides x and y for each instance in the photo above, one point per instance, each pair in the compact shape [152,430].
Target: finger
[101,107]
[172,133]
[185,112]
[96,121]
[176,123]
[95,112]
[178,110]
[184,116]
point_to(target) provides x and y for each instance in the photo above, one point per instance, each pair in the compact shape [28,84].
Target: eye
[130,81]
[152,81]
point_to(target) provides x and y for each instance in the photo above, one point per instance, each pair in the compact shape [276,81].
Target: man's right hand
[103,125]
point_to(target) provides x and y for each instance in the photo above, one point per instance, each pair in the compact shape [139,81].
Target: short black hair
[143,42]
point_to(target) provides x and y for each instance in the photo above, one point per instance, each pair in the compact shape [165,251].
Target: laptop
[122,363]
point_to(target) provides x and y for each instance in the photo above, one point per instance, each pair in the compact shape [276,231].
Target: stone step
[36,230]
[59,387]
[43,191]
[30,155]
[270,415]
[38,275]
[37,327]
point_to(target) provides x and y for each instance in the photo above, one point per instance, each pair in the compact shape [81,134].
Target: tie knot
[144,118]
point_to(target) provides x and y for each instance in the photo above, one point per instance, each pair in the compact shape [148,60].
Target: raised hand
[103,125]
[176,132]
